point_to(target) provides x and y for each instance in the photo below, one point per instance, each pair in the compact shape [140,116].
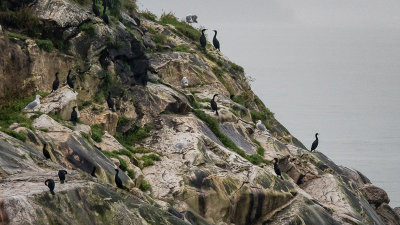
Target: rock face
[179,163]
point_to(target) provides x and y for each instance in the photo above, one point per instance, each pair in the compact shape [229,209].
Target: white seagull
[33,105]
[260,126]
[185,82]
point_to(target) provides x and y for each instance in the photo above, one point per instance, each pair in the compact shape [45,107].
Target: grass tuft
[97,132]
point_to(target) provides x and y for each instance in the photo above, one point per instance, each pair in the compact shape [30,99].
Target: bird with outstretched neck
[74,116]
[56,83]
[105,16]
[95,9]
[110,102]
[45,152]
[118,180]
[214,106]
[315,143]
[276,168]
[215,41]
[61,175]
[50,183]
[203,40]
[93,172]
[70,81]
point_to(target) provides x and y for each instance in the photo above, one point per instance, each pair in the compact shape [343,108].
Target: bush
[97,132]
[89,29]
[46,45]
[144,186]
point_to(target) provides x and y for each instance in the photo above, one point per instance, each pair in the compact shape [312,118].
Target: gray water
[322,66]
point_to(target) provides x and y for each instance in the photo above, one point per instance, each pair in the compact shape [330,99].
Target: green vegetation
[219,73]
[244,98]
[129,6]
[11,112]
[22,19]
[182,28]
[144,186]
[149,15]
[182,48]
[97,132]
[44,130]
[15,35]
[84,105]
[88,28]
[46,45]
[260,149]
[87,137]
[83,2]
[236,67]
[134,135]
[285,175]
[19,136]
[148,160]
[123,164]
[55,117]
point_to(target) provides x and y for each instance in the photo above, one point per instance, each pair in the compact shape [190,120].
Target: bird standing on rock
[214,106]
[50,183]
[260,126]
[93,172]
[74,116]
[203,39]
[215,41]
[276,168]
[118,180]
[61,175]
[105,16]
[34,104]
[315,143]
[70,81]
[95,9]
[56,83]
[110,102]
[185,82]
[45,152]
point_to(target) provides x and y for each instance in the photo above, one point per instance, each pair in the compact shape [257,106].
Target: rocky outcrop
[374,194]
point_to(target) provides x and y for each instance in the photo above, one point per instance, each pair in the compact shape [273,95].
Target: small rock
[115,161]
[374,194]
[14,126]
[148,43]
[83,128]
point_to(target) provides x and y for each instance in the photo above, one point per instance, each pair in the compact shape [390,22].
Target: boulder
[375,195]
[59,102]
[108,143]
[388,215]
[107,119]
[54,129]
[397,210]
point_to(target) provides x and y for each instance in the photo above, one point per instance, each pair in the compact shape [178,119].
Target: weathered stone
[109,143]
[374,194]
[107,119]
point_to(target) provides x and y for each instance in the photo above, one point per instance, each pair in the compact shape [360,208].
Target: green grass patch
[131,173]
[89,29]
[97,132]
[236,67]
[148,160]
[144,186]
[87,137]
[19,136]
[182,48]
[11,112]
[22,19]
[15,35]
[44,130]
[182,28]
[134,135]
[149,15]
[46,45]
[219,74]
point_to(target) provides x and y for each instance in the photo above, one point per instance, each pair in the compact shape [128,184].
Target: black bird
[105,17]
[110,102]
[95,9]
[50,183]
[215,41]
[276,168]
[70,81]
[118,180]
[203,40]
[93,172]
[74,116]
[315,143]
[61,175]
[56,83]
[45,152]
[214,105]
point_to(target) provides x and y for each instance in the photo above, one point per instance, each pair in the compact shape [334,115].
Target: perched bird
[215,41]
[95,9]
[315,143]
[203,39]
[56,83]
[276,168]
[191,19]
[70,81]
[50,183]
[74,116]
[260,126]
[110,102]
[105,16]
[194,18]
[185,82]
[34,104]
[118,180]
[61,175]
[45,152]
[214,106]
[93,172]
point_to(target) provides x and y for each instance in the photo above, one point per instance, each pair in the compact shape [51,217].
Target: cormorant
[110,102]
[215,41]
[56,83]
[276,168]
[260,126]
[95,9]
[194,18]
[93,172]
[74,115]
[203,40]
[185,82]
[70,81]
[50,183]
[34,104]
[45,152]
[118,180]
[214,105]
[315,143]
[61,175]
[105,17]
[191,18]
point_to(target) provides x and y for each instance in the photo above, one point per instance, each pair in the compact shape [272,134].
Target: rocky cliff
[180,163]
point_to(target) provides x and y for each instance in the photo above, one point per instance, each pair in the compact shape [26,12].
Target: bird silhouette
[214,106]
[215,41]
[315,143]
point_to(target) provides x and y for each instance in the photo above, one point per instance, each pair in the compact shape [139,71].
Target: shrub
[46,45]
[97,132]
[144,186]
[89,29]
